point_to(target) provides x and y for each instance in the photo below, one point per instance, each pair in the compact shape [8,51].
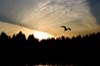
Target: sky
[82,16]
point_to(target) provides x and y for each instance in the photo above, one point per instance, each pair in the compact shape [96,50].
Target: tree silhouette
[32,41]
[50,50]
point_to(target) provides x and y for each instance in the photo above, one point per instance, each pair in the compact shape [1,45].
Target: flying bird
[66,29]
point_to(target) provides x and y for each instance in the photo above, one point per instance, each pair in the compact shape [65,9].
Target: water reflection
[53,65]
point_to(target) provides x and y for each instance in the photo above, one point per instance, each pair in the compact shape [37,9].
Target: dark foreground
[78,50]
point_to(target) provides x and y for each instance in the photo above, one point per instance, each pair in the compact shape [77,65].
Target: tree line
[78,50]
[19,41]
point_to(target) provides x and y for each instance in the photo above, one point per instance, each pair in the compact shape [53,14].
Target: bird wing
[63,27]
[69,29]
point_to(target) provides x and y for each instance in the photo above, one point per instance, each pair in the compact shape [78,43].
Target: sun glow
[42,35]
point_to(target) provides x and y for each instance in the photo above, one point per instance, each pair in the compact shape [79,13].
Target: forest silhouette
[60,50]
[19,41]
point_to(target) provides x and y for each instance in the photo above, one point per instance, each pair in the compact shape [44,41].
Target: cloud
[95,9]
[61,12]
[49,14]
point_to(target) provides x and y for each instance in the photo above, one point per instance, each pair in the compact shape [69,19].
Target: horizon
[36,36]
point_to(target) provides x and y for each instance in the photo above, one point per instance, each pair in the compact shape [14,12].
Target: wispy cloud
[50,14]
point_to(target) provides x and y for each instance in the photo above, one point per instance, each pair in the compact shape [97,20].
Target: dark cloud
[12,11]
[5,19]
[95,9]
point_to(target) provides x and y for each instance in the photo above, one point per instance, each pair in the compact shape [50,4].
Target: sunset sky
[82,16]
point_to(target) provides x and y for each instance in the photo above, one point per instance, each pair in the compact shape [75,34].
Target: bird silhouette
[66,29]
